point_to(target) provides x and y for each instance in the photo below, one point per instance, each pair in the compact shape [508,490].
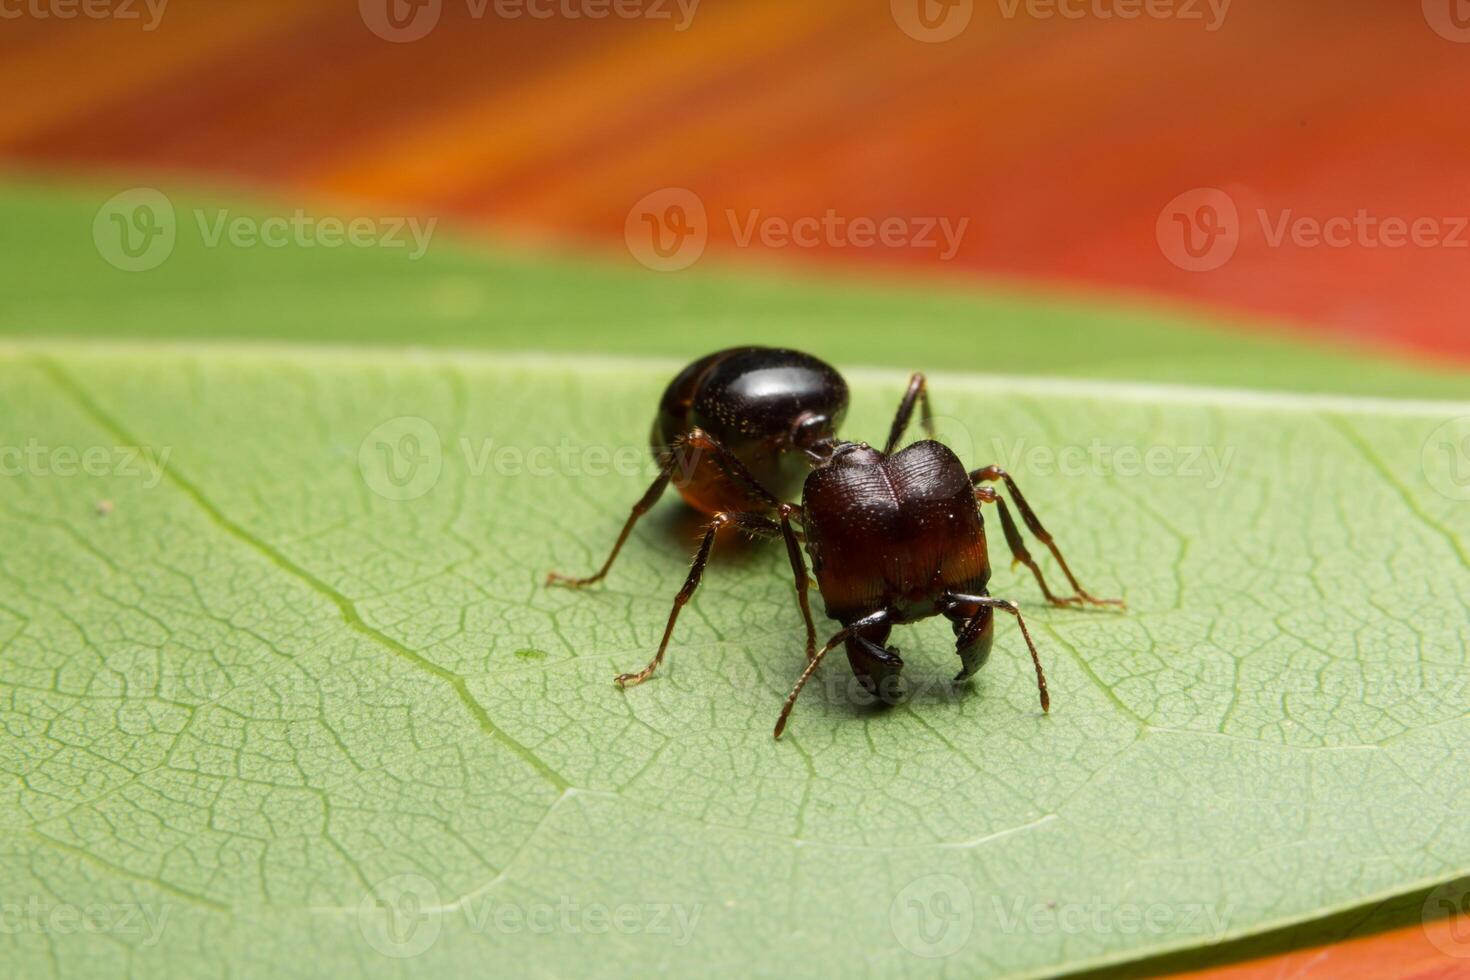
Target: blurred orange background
[1064,132]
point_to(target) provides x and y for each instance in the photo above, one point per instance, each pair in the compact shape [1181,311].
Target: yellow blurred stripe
[747,121]
[92,63]
[471,145]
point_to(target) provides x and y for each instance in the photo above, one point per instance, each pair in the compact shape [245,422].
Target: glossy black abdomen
[748,399]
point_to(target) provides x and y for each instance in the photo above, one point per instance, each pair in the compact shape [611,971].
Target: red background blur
[1061,129]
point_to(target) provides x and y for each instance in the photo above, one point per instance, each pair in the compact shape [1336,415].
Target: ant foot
[566,581]
[1084,599]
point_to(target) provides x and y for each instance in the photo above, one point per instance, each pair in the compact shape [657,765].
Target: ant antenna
[801,682]
[812,665]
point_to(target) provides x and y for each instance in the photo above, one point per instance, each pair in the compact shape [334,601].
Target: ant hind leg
[699,441]
[753,523]
[643,506]
[988,495]
[1019,554]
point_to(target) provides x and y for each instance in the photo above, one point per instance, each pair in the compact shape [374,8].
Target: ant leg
[990,474]
[879,618]
[918,391]
[1019,554]
[644,504]
[982,621]
[755,523]
[798,571]
[698,439]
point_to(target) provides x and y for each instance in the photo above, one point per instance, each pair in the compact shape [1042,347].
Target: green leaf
[272,707]
[54,281]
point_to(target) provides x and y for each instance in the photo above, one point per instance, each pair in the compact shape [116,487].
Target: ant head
[813,432]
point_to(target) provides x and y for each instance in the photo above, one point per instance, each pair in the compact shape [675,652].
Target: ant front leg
[918,390]
[798,572]
[975,636]
[696,439]
[755,524]
[1019,554]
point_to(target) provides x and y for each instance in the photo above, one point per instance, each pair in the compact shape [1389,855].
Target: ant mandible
[893,537]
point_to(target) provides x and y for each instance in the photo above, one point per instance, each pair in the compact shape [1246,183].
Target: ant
[894,537]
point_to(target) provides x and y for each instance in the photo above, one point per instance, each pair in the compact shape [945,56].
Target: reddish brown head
[894,533]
